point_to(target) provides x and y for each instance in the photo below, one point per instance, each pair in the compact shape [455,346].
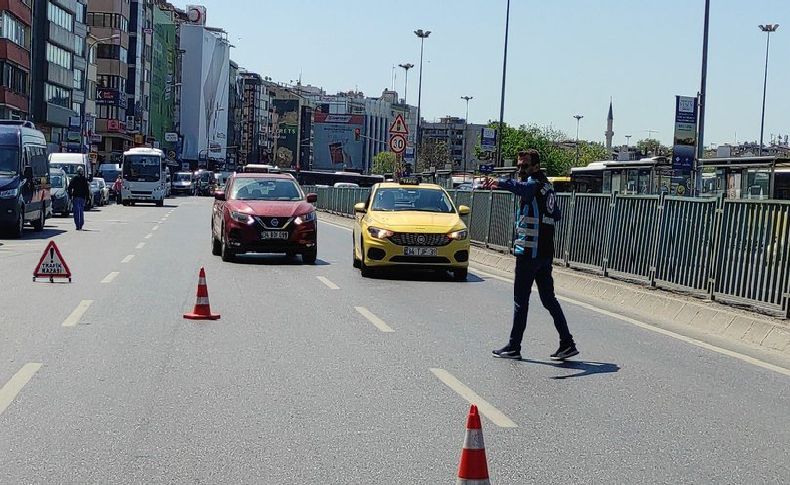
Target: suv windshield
[57,181]
[69,168]
[142,168]
[265,189]
[9,160]
[413,199]
[183,177]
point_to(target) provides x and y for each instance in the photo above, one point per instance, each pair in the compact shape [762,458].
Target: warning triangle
[52,264]
[398,127]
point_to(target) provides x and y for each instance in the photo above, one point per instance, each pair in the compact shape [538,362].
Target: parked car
[103,196]
[61,201]
[264,213]
[96,195]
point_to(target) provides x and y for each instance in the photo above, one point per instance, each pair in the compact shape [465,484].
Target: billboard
[684,148]
[488,140]
[286,136]
[334,141]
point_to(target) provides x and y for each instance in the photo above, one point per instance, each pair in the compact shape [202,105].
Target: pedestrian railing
[729,250]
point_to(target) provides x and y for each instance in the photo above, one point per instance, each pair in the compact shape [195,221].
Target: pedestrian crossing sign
[52,265]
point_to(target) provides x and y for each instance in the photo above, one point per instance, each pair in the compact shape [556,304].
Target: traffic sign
[397,144]
[398,127]
[52,265]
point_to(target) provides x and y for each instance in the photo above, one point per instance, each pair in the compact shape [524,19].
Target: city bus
[144,176]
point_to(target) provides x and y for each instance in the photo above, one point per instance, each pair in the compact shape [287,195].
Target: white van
[70,162]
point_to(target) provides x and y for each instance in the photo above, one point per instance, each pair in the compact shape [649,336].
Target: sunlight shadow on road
[586,368]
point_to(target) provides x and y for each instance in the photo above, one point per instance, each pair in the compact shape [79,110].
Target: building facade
[109,23]
[460,137]
[138,85]
[161,116]
[16,19]
[59,72]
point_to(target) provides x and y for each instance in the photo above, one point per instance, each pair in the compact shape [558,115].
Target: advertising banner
[685,145]
[335,141]
[286,137]
[488,140]
[108,96]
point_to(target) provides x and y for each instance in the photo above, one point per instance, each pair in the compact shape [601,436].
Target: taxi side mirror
[312,198]
[219,195]
[464,210]
[360,208]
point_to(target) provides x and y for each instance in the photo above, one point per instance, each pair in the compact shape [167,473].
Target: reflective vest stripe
[526,244]
[527,231]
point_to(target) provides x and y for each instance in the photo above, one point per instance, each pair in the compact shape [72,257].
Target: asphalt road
[315,375]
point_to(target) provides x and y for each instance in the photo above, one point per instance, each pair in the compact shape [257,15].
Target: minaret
[609,128]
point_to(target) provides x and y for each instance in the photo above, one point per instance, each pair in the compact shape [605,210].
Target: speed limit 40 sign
[397,144]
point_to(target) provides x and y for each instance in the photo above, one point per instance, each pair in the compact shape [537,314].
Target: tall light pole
[767,29]
[499,161]
[466,127]
[406,68]
[578,121]
[702,97]
[422,35]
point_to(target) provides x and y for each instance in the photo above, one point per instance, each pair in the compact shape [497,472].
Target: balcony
[18,8]
[15,100]
[14,53]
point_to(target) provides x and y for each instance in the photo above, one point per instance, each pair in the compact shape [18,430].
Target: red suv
[264,213]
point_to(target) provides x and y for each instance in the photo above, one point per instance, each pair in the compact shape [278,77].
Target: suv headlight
[309,217]
[9,193]
[241,217]
[377,233]
[459,235]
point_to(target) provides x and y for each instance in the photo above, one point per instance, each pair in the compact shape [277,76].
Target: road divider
[376,321]
[74,319]
[128,259]
[11,389]
[328,283]
[110,277]
[487,409]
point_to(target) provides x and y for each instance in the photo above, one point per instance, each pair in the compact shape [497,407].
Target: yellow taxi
[410,225]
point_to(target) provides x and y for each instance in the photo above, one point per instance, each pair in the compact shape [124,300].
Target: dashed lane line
[110,277]
[487,409]
[128,259]
[376,321]
[328,283]
[12,388]
[140,246]
[155,228]
[74,319]
[149,236]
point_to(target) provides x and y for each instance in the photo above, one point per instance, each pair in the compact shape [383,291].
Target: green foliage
[384,163]
[652,147]
[433,153]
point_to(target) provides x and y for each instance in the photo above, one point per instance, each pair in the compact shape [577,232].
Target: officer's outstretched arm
[523,189]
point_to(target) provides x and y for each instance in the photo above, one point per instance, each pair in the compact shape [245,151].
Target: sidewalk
[730,328]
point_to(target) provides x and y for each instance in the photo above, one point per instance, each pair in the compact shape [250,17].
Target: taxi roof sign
[52,265]
[409,181]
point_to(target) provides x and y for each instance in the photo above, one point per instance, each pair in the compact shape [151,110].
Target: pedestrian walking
[117,186]
[79,190]
[534,249]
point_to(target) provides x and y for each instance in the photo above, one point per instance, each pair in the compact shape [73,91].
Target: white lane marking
[11,389]
[493,414]
[689,340]
[110,277]
[77,314]
[140,246]
[489,275]
[128,259]
[328,283]
[376,321]
[336,225]
[148,236]
[155,228]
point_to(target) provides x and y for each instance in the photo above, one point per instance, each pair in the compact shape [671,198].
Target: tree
[433,153]
[384,163]
[652,147]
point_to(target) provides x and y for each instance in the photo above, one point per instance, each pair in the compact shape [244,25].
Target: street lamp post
[406,68]
[499,161]
[466,128]
[702,97]
[768,29]
[422,35]
[578,121]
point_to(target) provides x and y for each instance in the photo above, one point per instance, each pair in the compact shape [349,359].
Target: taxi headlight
[377,233]
[241,217]
[10,193]
[309,217]
[459,235]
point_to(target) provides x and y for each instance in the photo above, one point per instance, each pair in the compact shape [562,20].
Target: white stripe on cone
[462,481]
[202,300]
[202,281]
[474,439]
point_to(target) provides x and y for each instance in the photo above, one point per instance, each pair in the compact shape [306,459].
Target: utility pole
[702,97]
[406,68]
[466,128]
[578,121]
[768,29]
[501,130]
[422,35]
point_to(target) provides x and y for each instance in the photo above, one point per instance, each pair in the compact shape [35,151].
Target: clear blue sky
[566,57]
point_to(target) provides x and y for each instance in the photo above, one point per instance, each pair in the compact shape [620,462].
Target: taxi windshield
[265,189]
[411,199]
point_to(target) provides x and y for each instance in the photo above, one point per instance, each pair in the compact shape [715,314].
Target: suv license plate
[420,251]
[266,235]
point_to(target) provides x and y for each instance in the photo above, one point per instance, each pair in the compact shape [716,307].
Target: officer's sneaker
[507,352]
[565,351]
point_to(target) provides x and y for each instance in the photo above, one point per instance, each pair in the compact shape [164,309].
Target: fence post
[610,236]
[488,219]
[569,232]
[718,228]
[657,238]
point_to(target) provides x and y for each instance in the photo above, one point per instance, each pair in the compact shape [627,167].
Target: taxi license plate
[420,251]
[266,235]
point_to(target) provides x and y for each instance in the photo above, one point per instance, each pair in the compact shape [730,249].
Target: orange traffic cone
[474,466]
[202,309]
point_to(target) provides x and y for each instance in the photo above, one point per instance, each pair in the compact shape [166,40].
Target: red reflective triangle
[52,264]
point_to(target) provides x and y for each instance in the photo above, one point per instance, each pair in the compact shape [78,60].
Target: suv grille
[269,222]
[419,239]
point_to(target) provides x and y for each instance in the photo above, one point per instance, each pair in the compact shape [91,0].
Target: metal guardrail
[729,250]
